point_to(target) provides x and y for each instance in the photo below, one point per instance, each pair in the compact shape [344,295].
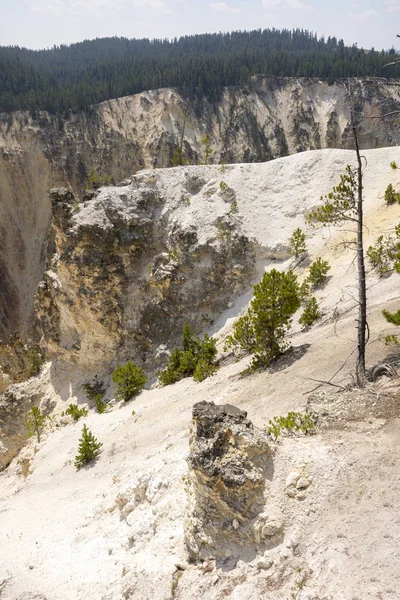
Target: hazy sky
[44,23]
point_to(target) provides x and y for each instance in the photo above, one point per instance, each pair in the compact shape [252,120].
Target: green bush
[292,424]
[35,362]
[96,181]
[35,422]
[75,412]
[196,358]
[391,196]
[393,165]
[297,243]
[262,331]
[318,273]
[203,370]
[88,449]
[94,393]
[310,314]
[129,379]
[382,254]
[304,291]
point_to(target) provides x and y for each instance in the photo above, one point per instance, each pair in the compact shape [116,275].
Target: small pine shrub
[203,370]
[234,208]
[292,424]
[223,186]
[393,165]
[94,393]
[311,314]
[75,412]
[381,255]
[223,232]
[391,196]
[35,422]
[318,273]
[304,291]
[297,243]
[129,379]
[88,449]
[35,362]
[196,358]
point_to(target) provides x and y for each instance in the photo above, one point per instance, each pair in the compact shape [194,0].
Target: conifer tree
[207,148]
[88,449]
[263,330]
[35,422]
[298,243]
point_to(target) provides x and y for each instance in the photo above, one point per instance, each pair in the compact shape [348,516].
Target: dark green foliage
[393,165]
[35,422]
[393,319]
[129,379]
[88,449]
[382,254]
[304,291]
[391,196]
[203,370]
[177,157]
[94,393]
[262,331]
[340,205]
[298,243]
[207,149]
[75,412]
[197,358]
[310,314]
[77,76]
[292,424]
[35,362]
[318,273]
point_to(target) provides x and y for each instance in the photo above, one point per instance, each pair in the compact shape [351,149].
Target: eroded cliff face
[271,118]
[133,264]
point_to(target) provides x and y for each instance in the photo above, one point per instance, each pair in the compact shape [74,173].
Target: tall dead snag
[345,204]
[362,286]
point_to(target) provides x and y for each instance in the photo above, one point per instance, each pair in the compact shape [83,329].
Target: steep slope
[136,262]
[329,518]
[270,118]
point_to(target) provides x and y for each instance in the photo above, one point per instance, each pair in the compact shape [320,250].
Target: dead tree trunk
[362,287]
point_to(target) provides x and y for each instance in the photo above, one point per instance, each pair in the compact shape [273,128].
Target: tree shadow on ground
[289,358]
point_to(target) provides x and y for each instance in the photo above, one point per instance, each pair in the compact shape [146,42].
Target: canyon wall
[269,119]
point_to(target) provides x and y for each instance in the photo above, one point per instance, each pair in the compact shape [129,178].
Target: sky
[45,23]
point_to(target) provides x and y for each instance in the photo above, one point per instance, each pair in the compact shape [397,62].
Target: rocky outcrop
[268,119]
[134,263]
[230,465]
[15,403]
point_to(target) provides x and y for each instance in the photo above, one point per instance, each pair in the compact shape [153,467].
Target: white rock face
[276,117]
[116,530]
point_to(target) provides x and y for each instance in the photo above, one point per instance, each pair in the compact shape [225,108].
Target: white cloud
[296,4]
[364,15]
[156,5]
[392,5]
[224,7]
